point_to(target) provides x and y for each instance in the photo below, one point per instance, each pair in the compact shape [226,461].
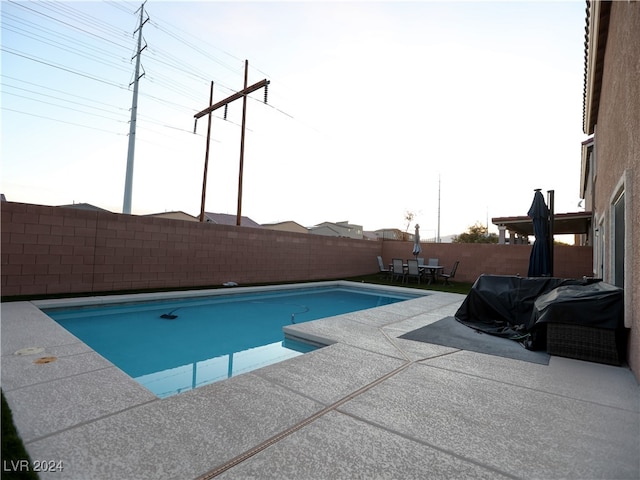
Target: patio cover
[563,224]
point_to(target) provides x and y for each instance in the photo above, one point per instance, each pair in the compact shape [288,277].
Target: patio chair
[397,269]
[451,274]
[433,261]
[420,260]
[382,269]
[413,270]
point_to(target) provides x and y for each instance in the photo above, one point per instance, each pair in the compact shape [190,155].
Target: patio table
[433,270]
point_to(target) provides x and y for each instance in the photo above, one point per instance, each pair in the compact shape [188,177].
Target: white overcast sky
[371,105]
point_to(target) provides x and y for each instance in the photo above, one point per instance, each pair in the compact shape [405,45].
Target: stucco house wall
[612,115]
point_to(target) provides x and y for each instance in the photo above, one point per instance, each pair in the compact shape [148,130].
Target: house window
[618,241]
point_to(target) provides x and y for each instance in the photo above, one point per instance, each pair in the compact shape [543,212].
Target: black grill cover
[502,305]
[598,305]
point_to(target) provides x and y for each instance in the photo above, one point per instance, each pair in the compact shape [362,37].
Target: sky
[452,111]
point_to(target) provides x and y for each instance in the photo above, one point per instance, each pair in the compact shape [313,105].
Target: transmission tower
[128,182]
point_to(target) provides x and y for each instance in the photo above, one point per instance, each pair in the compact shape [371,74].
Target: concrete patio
[370,405]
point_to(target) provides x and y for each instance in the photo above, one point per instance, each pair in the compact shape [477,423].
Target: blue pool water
[176,345]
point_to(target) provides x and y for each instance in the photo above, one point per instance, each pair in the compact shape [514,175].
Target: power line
[149,119]
[170,70]
[182,68]
[195,47]
[65,107]
[166,81]
[22,81]
[60,121]
[46,35]
[119,6]
[21,5]
[60,67]
[71,50]
[85,18]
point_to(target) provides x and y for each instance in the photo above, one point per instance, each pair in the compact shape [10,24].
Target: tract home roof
[228,219]
[85,206]
[595,42]
[564,223]
[174,215]
[288,226]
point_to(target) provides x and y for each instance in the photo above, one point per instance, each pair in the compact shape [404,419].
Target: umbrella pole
[550,199]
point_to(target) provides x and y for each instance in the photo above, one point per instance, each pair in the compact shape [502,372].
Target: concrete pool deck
[371,405]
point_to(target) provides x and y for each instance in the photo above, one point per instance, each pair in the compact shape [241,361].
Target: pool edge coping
[186,294]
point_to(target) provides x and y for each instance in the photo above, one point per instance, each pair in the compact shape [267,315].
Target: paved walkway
[370,406]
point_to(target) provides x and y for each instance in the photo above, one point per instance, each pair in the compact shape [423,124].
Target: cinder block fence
[57,250]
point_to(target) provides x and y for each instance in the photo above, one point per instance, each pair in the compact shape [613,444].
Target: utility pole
[241,94]
[244,120]
[128,182]
[206,159]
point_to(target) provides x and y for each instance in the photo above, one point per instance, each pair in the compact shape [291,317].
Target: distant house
[177,215]
[368,235]
[289,226]
[227,219]
[325,229]
[391,234]
[340,229]
[85,206]
[610,173]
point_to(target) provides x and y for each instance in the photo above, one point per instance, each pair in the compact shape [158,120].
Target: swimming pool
[177,344]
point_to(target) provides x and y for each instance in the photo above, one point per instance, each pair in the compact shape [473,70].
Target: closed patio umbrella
[540,258]
[416,242]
